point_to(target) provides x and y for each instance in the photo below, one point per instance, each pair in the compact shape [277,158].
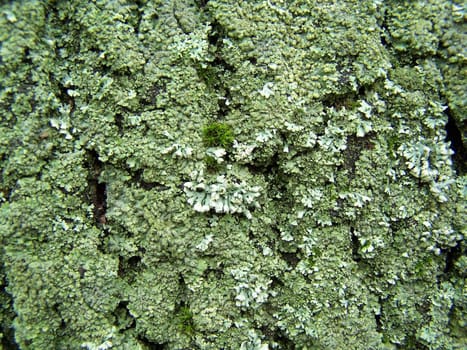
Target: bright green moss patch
[218,134]
[185,320]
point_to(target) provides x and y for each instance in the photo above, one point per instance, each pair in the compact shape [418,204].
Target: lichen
[232,174]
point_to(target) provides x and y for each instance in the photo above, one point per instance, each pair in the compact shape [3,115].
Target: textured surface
[335,219]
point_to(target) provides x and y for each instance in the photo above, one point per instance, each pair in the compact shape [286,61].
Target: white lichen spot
[242,152]
[365,108]
[204,244]
[63,127]
[293,127]
[430,161]
[224,195]
[267,91]
[252,289]
[178,151]
[265,135]
[216,153]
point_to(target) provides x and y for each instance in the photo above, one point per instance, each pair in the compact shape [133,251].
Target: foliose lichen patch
[226,174]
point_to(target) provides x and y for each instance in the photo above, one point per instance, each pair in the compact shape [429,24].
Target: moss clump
[218,135]
[185,321]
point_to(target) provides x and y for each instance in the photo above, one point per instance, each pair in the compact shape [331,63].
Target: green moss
[185,321]
[218,135]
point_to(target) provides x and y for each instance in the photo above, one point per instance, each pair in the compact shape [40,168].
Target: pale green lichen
[330,215]
[225,195]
